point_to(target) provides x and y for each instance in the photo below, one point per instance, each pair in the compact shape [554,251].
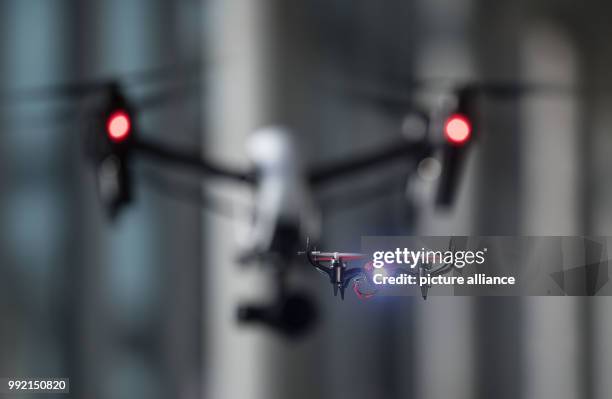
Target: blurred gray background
[146,306]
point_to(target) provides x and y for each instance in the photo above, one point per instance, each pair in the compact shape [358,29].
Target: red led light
[118,126]
[457,129]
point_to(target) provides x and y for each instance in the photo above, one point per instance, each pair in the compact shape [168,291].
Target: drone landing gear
[340,276]
[333,264]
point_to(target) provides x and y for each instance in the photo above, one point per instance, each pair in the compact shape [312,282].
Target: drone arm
[358,164]
[324,269]
[316,264]
[177,156]
[318,176]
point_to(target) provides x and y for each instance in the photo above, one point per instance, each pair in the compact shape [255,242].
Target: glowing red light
[457,129]
[118,126]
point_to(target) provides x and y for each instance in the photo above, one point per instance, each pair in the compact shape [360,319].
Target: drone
[335,266]
[340,276]
[284,209]
[285,191]
[114,139]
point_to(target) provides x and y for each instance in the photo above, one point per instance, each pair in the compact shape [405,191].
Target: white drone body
[283,203]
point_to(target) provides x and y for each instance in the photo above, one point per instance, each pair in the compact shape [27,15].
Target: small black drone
[334,265]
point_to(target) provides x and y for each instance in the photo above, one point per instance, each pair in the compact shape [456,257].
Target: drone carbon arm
[357,164]
[173,155]
[320,267]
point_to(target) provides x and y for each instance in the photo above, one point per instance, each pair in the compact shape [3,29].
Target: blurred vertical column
[123,277]
[555,362]
[36,222]
[140,295]
[597,142]
[445,360]
[599,213]
[258,71]
[601,346]
[240,83]
[497,338]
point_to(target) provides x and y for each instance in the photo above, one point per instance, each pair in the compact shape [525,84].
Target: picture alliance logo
[411,258]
